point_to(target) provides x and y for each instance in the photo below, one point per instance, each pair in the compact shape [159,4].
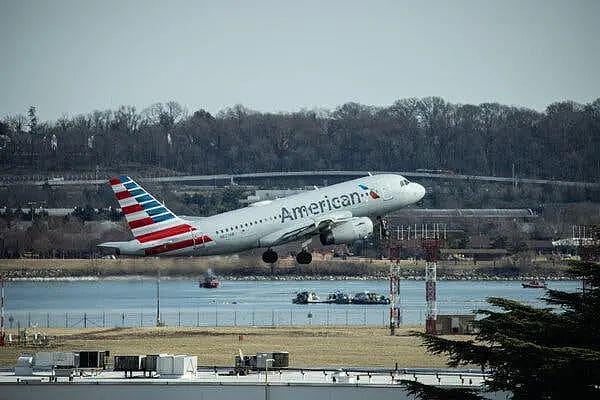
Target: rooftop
[285,377]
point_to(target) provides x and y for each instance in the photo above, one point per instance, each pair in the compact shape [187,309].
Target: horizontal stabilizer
[131,247]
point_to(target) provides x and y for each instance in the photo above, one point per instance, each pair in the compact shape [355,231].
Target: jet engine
[348,232]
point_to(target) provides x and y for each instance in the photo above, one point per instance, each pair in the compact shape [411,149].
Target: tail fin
[147,218]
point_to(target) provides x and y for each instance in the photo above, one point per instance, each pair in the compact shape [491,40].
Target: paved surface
[83,180]
[430,377]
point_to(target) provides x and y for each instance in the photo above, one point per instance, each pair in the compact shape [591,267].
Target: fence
[350,316]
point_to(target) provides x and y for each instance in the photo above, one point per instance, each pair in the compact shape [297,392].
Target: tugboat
[306,298]
[534,284]
[369,298]
[338,297]
[210,281]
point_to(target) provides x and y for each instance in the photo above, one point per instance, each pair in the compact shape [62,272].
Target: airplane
[337,214]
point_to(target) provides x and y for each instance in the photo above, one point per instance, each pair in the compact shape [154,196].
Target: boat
[534,284]
[209,281]
[338,297]
[306,298]
[369,298]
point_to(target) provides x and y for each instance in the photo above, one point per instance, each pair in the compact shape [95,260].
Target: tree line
[429,133]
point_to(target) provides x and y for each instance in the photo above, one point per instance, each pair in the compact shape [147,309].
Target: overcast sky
[69,57]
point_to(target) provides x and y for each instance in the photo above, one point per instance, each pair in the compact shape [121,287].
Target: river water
[132,302]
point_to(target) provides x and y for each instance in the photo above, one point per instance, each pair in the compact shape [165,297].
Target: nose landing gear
[269,256]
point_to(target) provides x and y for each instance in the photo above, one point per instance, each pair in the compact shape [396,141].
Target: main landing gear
[304,257]
[269,256]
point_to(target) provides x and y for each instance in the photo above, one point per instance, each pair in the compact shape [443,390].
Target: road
[83,180]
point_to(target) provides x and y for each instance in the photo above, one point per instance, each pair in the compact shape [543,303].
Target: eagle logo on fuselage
[372,193]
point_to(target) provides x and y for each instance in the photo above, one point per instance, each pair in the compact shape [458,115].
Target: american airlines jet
[337,214]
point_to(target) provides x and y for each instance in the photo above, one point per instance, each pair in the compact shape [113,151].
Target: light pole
[158,322]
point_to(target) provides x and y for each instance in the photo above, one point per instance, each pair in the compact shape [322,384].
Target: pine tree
[546,353]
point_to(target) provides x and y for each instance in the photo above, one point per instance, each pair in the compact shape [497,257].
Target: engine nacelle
[348,232]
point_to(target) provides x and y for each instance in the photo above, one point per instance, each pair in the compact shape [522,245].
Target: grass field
[184,266]
[308,346]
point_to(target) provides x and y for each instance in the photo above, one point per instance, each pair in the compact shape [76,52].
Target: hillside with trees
[487,139]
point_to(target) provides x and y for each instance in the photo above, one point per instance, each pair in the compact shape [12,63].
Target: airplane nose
[419,191]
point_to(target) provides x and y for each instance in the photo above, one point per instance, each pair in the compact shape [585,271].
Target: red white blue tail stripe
[151,222]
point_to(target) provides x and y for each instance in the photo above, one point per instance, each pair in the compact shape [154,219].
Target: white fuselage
[245,228]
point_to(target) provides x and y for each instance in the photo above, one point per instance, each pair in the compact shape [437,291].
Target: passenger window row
[247,224]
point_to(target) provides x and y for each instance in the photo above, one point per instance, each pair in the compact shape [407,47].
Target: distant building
[461,324]
[475,254]
[574,242]
[480,241]
[541,246]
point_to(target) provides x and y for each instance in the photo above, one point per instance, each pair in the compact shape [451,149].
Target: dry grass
[308,346]
[184,266]
[234,266]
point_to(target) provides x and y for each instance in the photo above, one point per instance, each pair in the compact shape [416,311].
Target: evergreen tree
[547,353]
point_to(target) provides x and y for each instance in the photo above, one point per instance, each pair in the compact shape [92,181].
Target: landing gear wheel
[269,256]
[304,257]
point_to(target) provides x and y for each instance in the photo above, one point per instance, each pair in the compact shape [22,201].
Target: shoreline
[286,278]
[251,270]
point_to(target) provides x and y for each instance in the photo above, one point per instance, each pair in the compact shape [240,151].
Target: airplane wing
[305,229]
